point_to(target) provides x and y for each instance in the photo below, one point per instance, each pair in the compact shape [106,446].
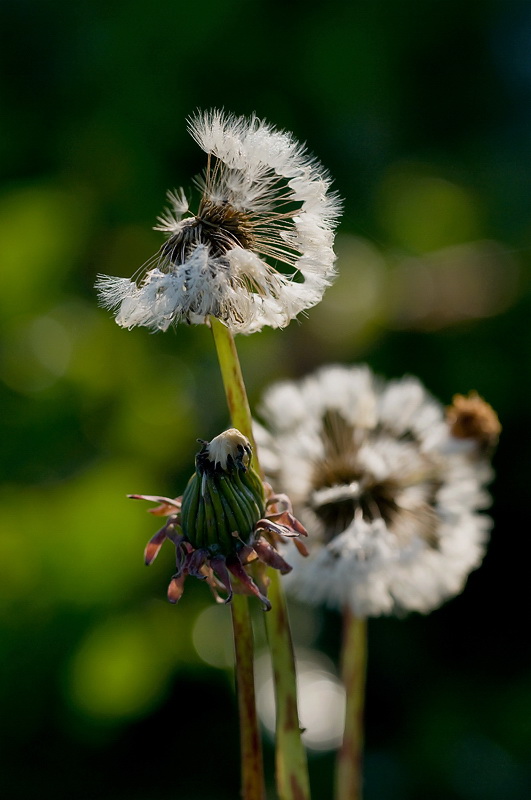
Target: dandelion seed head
[391,504]
[258,251]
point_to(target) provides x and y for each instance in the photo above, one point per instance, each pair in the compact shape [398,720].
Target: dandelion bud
[224,522]
[224,498]
[473,419]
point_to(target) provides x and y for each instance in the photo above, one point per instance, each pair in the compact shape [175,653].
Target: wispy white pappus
[388,488]
[258,251]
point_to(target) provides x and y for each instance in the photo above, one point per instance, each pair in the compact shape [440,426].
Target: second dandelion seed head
[388,492]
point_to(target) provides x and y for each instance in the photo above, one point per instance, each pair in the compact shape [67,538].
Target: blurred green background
[422,111]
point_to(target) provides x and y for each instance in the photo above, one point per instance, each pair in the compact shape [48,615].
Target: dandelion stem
[252,768]
[291,763]
[251,750]
[231,372]
[353,670]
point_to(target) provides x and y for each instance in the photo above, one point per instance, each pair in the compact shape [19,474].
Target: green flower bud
[224,498]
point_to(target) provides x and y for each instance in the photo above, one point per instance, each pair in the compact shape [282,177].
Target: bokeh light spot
[42,230]
[117,672]
[424,212]
[51,344]
[321,699]
[212,636]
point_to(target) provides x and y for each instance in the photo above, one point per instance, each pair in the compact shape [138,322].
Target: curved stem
[291,763]
[353,671]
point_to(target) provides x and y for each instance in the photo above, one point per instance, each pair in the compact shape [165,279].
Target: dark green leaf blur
[421,110]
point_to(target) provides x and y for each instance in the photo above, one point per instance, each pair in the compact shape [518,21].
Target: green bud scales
[221,505]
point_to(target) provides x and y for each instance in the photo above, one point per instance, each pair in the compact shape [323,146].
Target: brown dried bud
[472,418]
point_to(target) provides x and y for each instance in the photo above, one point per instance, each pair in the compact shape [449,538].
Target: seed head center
[220,227]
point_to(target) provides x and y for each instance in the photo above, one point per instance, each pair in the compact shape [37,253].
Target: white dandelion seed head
[258,252]
[390,503]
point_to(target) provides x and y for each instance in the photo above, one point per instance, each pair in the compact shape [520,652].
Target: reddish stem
[251,751]
[353,670]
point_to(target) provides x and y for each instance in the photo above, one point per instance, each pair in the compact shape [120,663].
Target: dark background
[421,110]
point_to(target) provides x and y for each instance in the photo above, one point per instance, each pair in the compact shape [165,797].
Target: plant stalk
[349,765]
[231,373]
[252,768]
[291,763]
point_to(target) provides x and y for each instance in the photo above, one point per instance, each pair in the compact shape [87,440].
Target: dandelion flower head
[258,251]
[389,494]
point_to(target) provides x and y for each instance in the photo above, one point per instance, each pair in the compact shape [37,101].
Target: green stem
[353,671]
[291,763]
[231,373]
[252,768]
